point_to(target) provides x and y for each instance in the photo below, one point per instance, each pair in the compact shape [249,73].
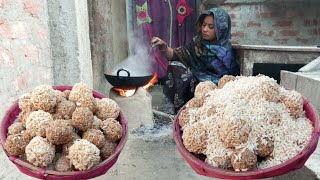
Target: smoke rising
[140,62]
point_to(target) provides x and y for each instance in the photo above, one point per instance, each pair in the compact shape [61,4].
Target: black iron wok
[127,82]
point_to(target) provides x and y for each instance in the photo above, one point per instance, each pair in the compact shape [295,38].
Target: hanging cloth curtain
[171,20]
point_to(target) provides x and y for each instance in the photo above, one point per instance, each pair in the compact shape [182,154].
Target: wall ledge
[277,48]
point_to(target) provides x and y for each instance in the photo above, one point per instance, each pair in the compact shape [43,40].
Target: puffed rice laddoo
[112,129]
[94,136]
[82,118]
[84,155]
[195,137]
[37,123]
[107,108]
[59,132]
[40,152]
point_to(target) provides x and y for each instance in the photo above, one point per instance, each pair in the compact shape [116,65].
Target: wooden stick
[163,114]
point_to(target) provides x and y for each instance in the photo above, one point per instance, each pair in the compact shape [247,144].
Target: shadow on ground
[301,174]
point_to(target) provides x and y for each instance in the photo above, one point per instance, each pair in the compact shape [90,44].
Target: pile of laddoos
[65,130]
[245,123]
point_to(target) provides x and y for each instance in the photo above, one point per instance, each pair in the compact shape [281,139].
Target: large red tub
[294,163]
[42,173]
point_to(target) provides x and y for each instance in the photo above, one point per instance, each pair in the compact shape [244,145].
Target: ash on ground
[162,128]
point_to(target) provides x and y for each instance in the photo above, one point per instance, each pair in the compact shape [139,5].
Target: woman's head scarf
[222,25]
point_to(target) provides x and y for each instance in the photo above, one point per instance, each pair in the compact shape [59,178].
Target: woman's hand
[162,46]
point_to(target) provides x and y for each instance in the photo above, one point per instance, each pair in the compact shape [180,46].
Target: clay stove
[137,109]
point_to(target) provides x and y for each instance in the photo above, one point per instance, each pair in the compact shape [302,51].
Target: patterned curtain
[171,20]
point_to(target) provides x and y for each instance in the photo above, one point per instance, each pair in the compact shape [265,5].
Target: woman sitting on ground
[208,57]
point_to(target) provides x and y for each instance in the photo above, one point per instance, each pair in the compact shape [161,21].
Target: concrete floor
[152,154]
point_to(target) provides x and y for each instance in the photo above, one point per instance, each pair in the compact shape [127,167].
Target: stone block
[137,109]
[288,79]
[312,66]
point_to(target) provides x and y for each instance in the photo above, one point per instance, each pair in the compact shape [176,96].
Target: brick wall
[280,23]
[25,59]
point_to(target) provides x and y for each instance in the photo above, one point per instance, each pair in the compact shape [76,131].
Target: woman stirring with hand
[208,57]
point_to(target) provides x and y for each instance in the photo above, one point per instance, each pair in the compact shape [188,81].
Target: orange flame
[131,92]
[151,82]
[125,93]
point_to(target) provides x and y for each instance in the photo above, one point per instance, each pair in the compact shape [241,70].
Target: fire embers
[243,160]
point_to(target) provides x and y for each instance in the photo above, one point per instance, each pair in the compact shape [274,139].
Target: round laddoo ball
[65,109]
[243,160]
[233,132]
[82,118]
[260,87]
[79,90]
[65,147]
[22,117]
[108,148]
[37,123]
[63,164]
[225,79]
[15,128]
[67,93]
[97,123]
[184,117]
[40,152]
[293,102]
[276,118]
[203,88]
[16,143]
[223,162]
[216,153]
[84,155]
[95,136]
[112,129]
[88,101]
[269,87]
[43,98]
[264,147]
[59,132]
[195,137]
[25,103]
[107,108]
[60,96]
[195,102]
